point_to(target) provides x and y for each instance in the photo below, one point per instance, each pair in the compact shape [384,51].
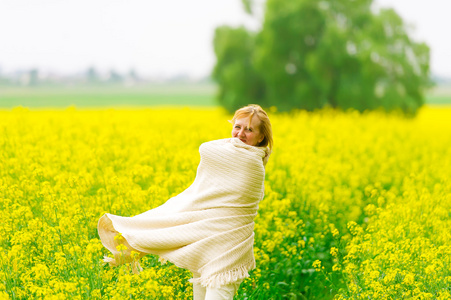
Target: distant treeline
[91,76]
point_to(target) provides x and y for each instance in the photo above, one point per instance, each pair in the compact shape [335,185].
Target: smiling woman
[207,229]
[247,130]
[252,126]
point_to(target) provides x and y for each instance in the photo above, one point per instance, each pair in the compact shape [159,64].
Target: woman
[208,228]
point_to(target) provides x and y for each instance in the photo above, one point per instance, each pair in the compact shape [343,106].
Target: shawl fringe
[212,281]
[221,279]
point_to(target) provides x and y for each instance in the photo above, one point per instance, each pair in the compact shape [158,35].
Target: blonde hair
[265,125]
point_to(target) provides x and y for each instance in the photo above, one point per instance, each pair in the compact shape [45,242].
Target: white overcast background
[159,38]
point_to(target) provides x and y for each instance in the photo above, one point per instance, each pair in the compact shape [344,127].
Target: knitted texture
[208,228]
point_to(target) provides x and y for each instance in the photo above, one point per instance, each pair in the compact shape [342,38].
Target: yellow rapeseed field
[357,206]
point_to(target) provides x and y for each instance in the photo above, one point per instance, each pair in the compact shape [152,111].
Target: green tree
[33,77]
[315,53]
[239,81]
[114,77]
[92,75]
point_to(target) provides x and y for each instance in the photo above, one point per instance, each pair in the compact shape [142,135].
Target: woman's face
[249,135]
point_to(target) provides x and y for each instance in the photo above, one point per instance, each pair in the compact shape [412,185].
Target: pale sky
[159,38]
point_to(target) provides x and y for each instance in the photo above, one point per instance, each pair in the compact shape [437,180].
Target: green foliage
[239,81]
[310,54]
[247,6]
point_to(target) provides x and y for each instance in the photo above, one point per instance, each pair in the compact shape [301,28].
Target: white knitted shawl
[208,228]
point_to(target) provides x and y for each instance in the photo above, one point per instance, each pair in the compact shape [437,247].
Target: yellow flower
[4,296]
[317,265]
[334,251]
[430,269]
[409,279]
